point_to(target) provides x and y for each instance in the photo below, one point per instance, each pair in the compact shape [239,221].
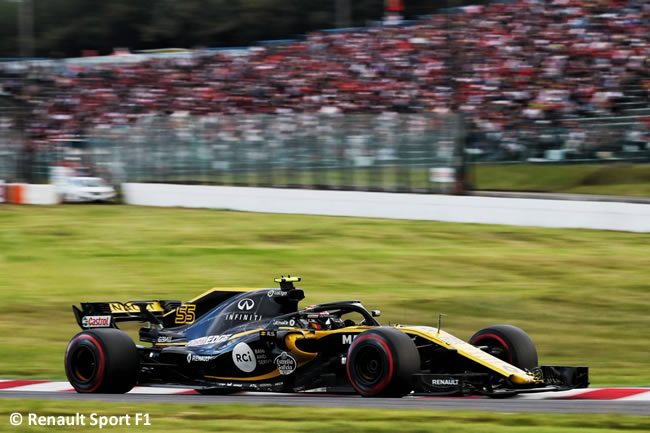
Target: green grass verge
[611,179]
[582,295]
[182,418]
[605,179]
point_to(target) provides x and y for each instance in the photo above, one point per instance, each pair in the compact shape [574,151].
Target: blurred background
[412,95]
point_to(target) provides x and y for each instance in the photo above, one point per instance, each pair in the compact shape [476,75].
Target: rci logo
[246,304]
[244,358]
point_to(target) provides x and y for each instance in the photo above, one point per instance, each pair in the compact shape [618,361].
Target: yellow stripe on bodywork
[290,341]
[241,334]
[270,375]
[447,340]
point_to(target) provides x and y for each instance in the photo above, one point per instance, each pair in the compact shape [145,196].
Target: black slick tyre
[508,343]
[102,361]
[381,363]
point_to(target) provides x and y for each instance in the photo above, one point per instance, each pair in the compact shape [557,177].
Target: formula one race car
[227,341]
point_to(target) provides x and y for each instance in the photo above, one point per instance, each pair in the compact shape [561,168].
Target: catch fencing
[393,152]
[422,152]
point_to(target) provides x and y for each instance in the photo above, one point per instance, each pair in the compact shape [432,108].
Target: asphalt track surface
[316,400]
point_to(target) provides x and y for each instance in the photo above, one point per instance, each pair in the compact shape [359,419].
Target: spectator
[503,64]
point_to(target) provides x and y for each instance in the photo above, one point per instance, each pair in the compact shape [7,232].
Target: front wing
[554,378]
[509,379]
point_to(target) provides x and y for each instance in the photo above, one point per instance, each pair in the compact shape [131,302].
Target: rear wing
[108,314]
[166,313]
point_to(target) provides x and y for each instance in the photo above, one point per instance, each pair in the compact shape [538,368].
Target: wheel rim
[84,364]
[370,365]
[497,347]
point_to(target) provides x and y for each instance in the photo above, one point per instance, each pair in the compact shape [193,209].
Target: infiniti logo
[246,304]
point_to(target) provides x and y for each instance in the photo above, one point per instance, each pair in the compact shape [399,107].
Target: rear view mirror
[375,313]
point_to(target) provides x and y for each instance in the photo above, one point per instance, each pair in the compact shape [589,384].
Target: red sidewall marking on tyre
[100,370]
[494,337]
[382,384]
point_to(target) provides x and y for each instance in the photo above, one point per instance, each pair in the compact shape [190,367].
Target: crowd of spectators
[506,65]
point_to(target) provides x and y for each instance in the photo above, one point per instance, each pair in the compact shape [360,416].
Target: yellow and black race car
[235,340]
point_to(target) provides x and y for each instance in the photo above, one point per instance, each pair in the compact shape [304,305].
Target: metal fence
[593,140]
[389,152]
[375,152]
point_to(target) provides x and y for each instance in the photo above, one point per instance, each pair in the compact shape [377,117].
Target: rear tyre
[102,361]
[381,363]
[508,343]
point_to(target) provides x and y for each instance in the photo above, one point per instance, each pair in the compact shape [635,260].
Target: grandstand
[535,80]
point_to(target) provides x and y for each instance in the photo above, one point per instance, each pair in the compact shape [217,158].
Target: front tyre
[508,343]
[381,363]
[102,361]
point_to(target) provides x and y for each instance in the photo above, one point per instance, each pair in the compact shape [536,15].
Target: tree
[66,27]
[8,29]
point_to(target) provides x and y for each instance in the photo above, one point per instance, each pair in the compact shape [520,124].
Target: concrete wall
[41,194]
[488,210]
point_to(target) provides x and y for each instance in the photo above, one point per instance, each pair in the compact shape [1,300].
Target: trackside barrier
[15,193]
[2,191]
[41,194]
[22,193]
[632,217]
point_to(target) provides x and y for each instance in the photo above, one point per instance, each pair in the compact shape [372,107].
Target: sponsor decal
[348,338]
[319,315]
[285,363]
[118,307]
[268,333]
[284,322]
[244,317]
[444,382]
[244,358]
[164,339]
[212,339]
[96,321]
[245,304]
[199,358]
[274,292]
[262,357]
[185,314]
